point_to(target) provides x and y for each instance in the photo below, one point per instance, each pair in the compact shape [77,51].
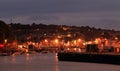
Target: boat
[92,56]
[5,54]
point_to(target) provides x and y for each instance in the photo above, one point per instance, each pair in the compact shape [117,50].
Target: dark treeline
[5,33]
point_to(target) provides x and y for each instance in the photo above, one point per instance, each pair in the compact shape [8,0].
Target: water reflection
[13,59]
[27,56]
[48,62]
[56,63]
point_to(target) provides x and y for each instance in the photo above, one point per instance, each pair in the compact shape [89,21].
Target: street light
[56,41]
[46,40]
[79,40]
[5,41]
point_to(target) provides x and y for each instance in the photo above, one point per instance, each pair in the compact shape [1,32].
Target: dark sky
[94,13]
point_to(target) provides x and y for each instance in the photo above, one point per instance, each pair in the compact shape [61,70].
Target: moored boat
[5,54]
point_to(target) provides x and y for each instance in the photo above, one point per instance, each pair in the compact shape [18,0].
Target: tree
[5,32]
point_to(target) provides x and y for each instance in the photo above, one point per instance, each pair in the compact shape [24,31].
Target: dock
[106,58]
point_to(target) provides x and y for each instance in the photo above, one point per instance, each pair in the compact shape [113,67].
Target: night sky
[94,13]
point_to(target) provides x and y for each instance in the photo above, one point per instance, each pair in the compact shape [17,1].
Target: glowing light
[116,38]
[79,40]
[67,44]
[33,43]
[5,41]
[96,41]
[1,45]
[75,49]
[118,49]
[68,49]
[46,40]
[75,42]
[90,42]
[68,35]
[84,44]
[56,41]
[79,50]
[59,36]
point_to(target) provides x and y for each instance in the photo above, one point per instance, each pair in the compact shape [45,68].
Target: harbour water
[49,62]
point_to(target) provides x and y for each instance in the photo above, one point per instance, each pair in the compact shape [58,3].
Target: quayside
[91,55]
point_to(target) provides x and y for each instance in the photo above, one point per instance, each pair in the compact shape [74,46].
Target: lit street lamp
[5,41]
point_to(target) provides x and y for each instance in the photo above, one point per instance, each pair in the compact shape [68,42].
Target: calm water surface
[49,62]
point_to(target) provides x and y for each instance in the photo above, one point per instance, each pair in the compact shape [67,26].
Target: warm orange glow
[90,42]
[29,43]
[75,42]
[46,40]
[33,43]
[84,44]
[118,49]
[59,36]
[68,49]
[20,46]
[68,35]
[79,50]
[79,40]
[116,38]
[97,41]
[75,49]
[5,41]
[56,41]
[68,44]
